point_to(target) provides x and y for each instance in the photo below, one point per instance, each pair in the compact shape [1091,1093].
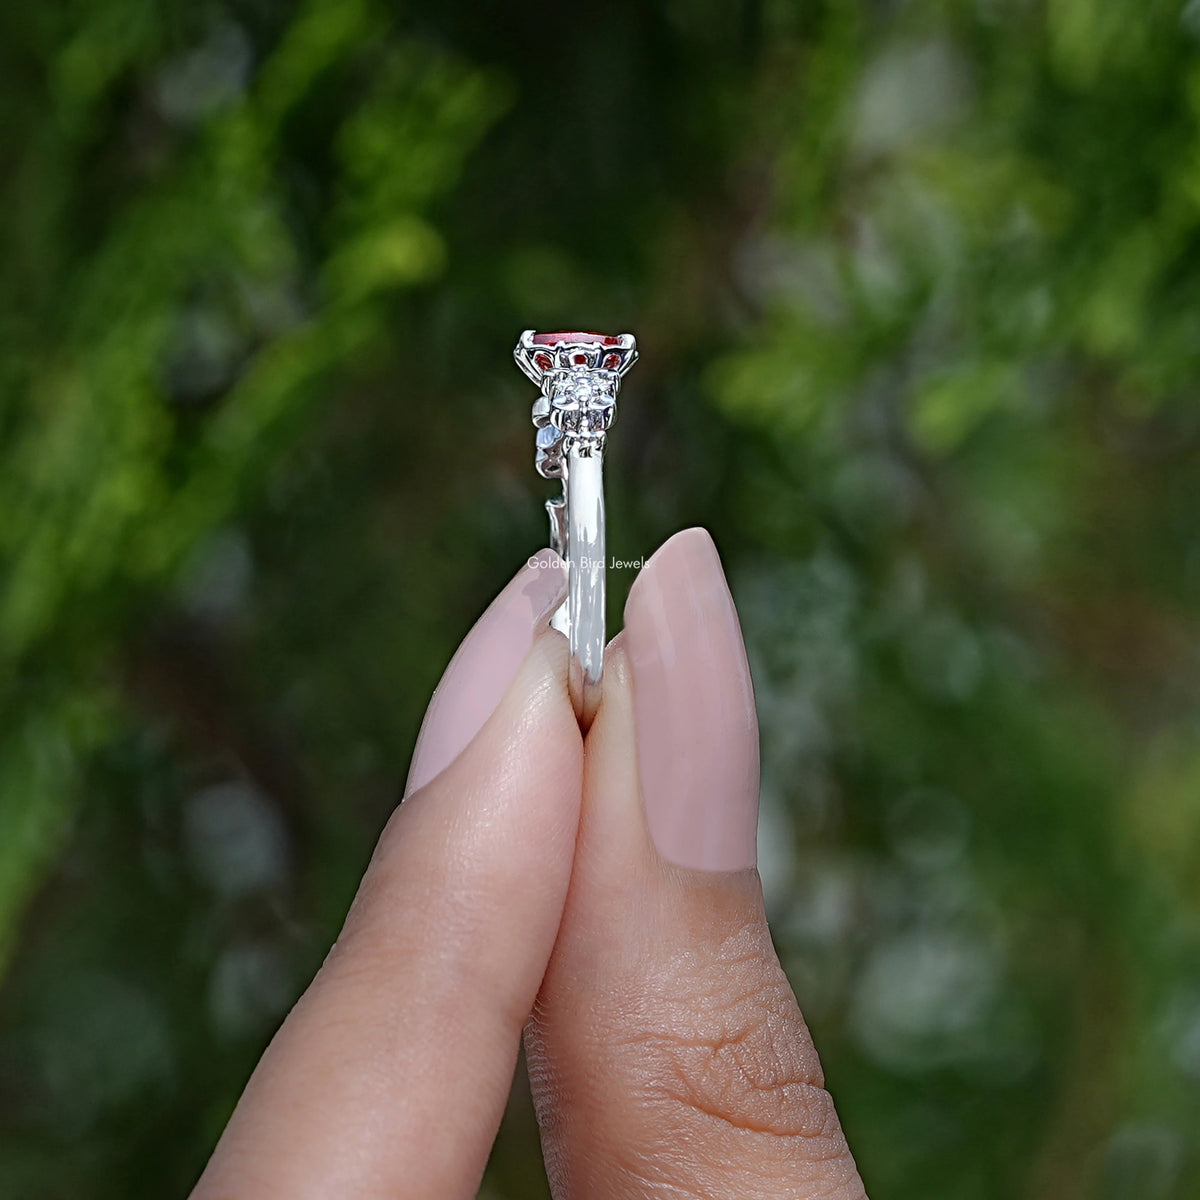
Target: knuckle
[728,1045]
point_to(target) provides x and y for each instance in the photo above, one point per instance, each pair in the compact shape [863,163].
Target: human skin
[599,898]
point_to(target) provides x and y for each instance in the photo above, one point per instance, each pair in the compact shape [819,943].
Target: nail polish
[693,703]
[485,664]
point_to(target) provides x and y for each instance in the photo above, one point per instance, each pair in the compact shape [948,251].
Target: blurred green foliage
[917,284]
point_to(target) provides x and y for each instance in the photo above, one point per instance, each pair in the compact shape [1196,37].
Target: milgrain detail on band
[578,376]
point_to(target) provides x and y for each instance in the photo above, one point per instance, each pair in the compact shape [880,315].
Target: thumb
[667,1053]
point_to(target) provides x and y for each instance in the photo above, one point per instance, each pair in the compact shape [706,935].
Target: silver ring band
[583,484]
[578,375]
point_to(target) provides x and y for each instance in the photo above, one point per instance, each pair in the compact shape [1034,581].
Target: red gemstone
[544,361]
[612,361]
[552,339]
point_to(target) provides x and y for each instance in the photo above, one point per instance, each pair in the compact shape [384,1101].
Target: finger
[667,1053]
[390,1076]
[485,664]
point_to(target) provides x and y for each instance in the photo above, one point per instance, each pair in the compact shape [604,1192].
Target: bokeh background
[917,285]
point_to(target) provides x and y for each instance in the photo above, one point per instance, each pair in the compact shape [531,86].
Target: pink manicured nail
[485,664]
[693,703]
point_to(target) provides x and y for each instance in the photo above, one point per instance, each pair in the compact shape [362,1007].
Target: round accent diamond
[582,401]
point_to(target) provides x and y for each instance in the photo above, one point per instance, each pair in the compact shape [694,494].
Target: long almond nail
[693,704]
[485,664]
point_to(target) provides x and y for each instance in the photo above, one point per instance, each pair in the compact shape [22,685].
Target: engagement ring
[579,375]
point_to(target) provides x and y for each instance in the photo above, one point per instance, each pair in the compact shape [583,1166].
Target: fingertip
[528,753]
[615,844]
[693,699]
[485,664]
[694,543]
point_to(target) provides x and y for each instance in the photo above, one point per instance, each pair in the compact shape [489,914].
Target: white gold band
[579,375]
